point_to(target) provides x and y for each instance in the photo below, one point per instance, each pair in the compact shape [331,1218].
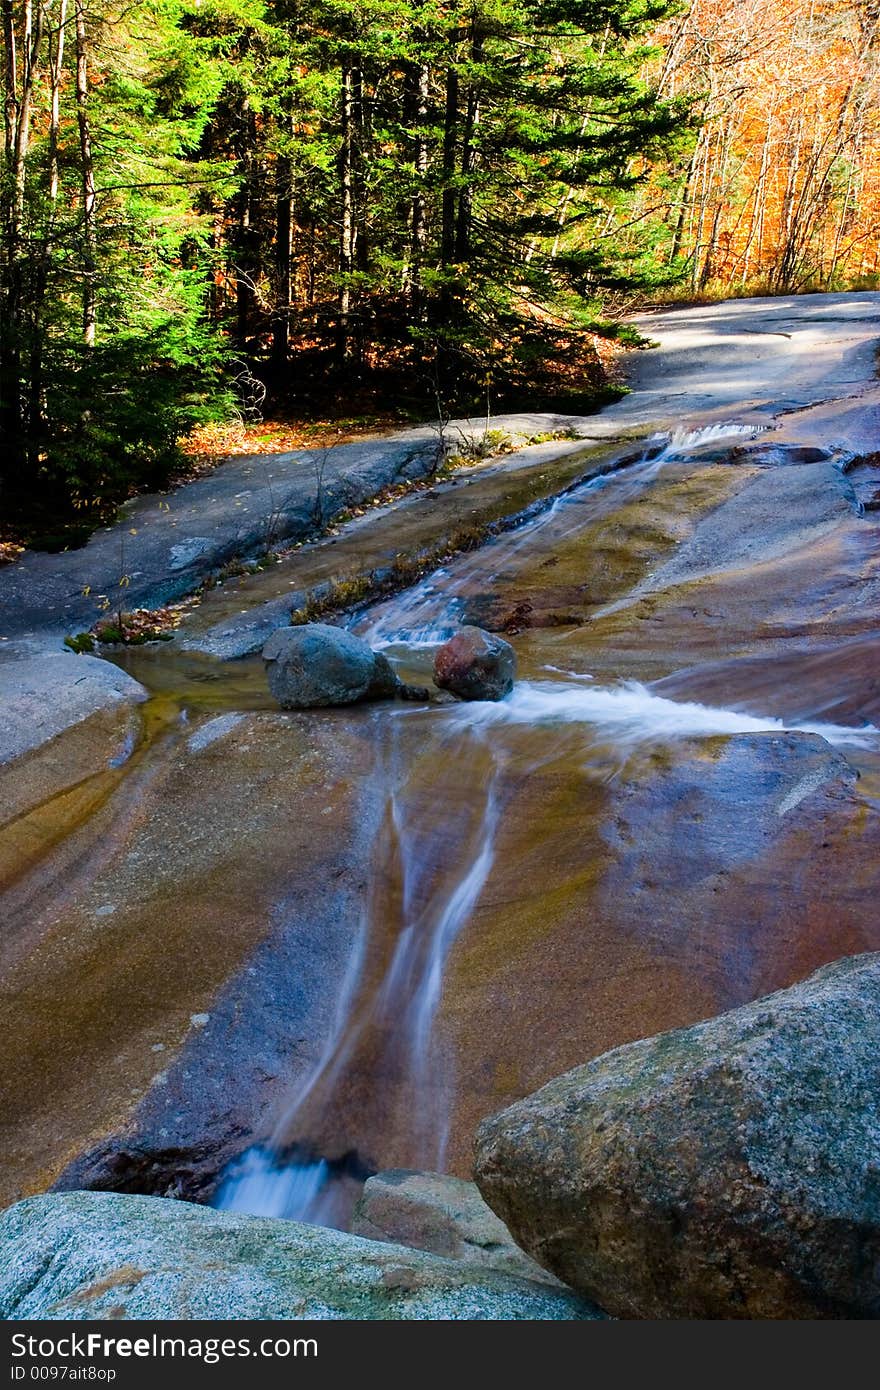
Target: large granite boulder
[49,693]
[317,665]
[63,720]
[727,1170]
[444,1215]
[97,1255]
[475,665]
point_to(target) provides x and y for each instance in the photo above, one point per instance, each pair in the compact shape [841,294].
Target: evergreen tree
[411,194]
[448,166]
[106,354]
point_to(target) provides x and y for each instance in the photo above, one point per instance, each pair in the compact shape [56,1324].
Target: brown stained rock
[51,693]
[72,773]
[707,875]
[103,982]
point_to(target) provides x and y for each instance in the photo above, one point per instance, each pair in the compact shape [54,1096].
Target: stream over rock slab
[84,1256]
[727,1170]
[476,665]
[318,665]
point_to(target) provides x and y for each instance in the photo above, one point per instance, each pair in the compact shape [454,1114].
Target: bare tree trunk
[449,199]
[10,292]
[465,199]
[360,240]
[87,175]
[450,169]
[346,224]
[21,50]
[717,192]
[31,36]
[245,269]
[419,229]
[759,201]
[42,255]
[10,81]
[283,263]
[699,218]
[842,223]
[681,215]
[56,64]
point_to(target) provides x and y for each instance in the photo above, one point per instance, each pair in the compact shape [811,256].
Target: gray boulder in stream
[475,665]
[97,1255]
[727,1170]
[317,665]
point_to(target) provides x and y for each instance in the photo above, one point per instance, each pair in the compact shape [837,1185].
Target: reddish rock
[476,665]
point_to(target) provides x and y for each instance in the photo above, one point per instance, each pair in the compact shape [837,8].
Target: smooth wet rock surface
[476,665]
[317,665]
[85,1256]
[778,511]
[68,725]
[443,1215]
[245,913]
[634,894]
[729,1170]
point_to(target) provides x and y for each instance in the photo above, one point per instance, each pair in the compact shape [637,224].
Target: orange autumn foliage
[783,188]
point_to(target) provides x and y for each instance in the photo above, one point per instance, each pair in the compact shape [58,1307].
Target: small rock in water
[728,1170]
[872,504]
[443,1215]
[416,693]
[476,665]
[318,665]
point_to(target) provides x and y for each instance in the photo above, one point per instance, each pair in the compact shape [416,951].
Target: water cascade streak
[430,612]
[630,713]
[383,1030]
[417,971]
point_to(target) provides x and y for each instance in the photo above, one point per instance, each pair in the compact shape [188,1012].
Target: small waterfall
[261,1184]
[417,972]
[392,1023]
[685,441]
[434,906]
[429,613]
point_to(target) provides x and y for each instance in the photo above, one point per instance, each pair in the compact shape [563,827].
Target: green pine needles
[291,199]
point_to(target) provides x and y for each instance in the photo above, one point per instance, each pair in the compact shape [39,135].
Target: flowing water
[384,1028]
[430,612]
[456,779]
